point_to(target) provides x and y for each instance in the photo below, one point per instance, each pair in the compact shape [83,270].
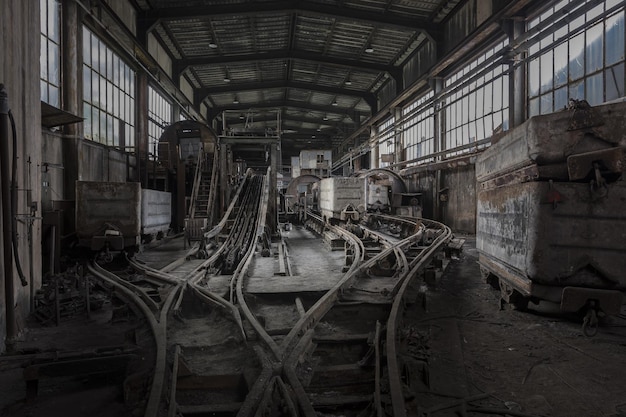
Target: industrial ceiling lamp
[235,100]
[348,82]
[212,45]
[369,49]
[334,103]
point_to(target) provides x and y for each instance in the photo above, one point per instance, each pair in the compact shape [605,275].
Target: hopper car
[120,216]
[551,224]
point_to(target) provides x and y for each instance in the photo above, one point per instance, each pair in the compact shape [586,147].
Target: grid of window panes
[583,59]
[477,104]
[386,146]
[159,116]
[418,126]
[108,95]
[50,54]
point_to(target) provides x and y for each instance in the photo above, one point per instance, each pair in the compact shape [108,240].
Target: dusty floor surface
[65,396]
[463,356]
[531,363]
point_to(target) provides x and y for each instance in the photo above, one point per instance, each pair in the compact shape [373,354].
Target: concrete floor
[477,356]
[535,363]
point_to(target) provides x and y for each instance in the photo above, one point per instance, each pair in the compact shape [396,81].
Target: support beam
[215,111]
[150,18]
[201,93]
[181,64]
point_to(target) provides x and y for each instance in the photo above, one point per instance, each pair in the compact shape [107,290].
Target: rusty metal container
[342,198]
[540,148]
[108,213]
[550,218]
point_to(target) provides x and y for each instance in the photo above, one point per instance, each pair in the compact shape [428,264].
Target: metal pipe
[16,254]
[9,290]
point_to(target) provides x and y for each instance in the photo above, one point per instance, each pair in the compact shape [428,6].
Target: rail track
[259,331]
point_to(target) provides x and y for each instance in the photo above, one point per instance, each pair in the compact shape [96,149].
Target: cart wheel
[590,323]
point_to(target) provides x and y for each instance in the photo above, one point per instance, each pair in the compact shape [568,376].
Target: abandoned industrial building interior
[313,208]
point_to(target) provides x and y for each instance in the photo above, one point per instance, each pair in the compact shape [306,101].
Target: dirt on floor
[464,355]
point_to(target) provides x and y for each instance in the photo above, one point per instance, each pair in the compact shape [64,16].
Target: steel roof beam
[292,118]
[215,111]
[180,65]
[267,85]
[150,18]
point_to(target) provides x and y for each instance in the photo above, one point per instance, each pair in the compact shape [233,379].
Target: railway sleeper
[202,394]
[83,368]
[333,400]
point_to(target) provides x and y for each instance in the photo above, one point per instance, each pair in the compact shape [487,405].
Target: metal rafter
[182,64]
[284,104]
[150,18]
[202,93]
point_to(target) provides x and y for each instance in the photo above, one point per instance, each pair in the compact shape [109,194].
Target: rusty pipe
[7,244]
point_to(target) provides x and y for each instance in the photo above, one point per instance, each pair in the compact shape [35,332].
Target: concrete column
[72,90]
[141,126]
[439,121]
[517,80]
[398,136]
[72,64]
[374,149]
[275,167]
[224,197]
[439,116]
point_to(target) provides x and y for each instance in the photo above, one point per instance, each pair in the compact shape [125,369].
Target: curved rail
[395,377]
[397,258]
[158,327]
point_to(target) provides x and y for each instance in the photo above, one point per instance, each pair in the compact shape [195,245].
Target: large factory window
[159,116]
[476,102]
[108,95]
[578,53]
[50,56]
[418,127]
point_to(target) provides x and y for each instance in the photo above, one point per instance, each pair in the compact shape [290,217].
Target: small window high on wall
[108,95]
[50,54]
[578,54]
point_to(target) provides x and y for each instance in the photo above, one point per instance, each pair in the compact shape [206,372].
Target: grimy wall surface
[448,193]
[19,72]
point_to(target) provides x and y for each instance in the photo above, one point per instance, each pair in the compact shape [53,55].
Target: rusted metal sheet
[109,208]
[547,140]
[608,161]
[562,234]
[575,298]
[156,211]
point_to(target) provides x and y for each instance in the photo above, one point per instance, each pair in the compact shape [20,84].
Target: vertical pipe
[7,226]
